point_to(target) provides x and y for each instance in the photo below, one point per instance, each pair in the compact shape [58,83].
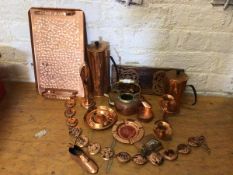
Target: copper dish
[128,131]
[101,117]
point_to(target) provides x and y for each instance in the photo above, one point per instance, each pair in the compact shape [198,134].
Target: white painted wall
[189,34]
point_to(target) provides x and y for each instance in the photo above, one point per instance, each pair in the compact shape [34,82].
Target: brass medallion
[123,157]
[71,121]
[170,154]
[107,153]
[183,149]
[155,158]
[70,103]
[139,159]
[75,131]
[82,141]
[94,148]
[70,112]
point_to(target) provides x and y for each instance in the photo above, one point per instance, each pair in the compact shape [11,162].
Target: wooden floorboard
[23,113]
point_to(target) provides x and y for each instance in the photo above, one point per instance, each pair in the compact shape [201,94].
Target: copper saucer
[102,117]
[128,131]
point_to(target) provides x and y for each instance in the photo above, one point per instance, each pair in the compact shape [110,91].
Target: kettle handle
[194,93]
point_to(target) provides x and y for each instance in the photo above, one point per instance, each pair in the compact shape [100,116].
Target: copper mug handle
[194,93]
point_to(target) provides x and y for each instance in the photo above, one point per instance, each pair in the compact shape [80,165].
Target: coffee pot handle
[116,68]
[194,93]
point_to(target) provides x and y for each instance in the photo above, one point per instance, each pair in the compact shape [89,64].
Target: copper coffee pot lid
[100,118]
[97,46]
[178,76]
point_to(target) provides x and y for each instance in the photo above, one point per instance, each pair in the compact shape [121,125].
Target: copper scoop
[84,161]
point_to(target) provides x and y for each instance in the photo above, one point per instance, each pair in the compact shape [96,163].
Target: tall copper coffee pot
[99,63]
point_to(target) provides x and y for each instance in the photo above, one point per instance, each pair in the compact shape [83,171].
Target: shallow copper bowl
[100,118]
[128,131]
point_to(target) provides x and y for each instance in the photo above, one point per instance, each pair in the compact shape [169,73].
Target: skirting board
[221,2]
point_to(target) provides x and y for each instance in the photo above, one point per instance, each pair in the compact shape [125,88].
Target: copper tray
[100,118]
[57,37]
[128,131]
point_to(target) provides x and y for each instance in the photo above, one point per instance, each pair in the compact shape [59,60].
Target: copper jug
[99,62]
[177,83]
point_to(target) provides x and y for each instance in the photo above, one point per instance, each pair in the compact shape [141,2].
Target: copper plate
[128,131]
[100,118]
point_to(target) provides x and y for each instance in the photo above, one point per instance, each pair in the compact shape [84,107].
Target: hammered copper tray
[57,37]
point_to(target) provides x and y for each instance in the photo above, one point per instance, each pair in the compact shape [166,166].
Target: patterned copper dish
[102,117]
[128,131]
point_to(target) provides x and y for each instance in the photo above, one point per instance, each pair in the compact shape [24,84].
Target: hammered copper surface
[57,37]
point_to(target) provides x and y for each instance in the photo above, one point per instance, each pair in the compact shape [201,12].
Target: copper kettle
[125,96]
